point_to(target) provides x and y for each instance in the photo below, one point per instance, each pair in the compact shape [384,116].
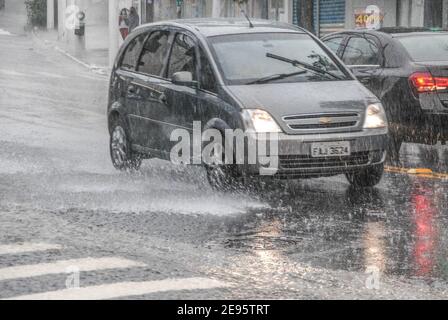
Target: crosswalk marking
[88,264]
[27,247]
[126,289]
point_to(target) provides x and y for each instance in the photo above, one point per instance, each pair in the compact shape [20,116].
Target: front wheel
[221,176]
[368,177]
[121,154]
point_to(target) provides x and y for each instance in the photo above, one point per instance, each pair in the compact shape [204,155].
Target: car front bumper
[289,156]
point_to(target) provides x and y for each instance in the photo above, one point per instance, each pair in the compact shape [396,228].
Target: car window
[361,51]
[132,53]
[244,58]
[183,56]
[426,47]
[334,43]
[154,53]
[207,77]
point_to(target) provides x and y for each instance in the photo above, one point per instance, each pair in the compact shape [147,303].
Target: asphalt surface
[61,202]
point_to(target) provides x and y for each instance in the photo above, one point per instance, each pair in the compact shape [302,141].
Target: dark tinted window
[132,53]
[207,77]
[427,47]
[183,56]
[334,43]
[361,51]
[154,53]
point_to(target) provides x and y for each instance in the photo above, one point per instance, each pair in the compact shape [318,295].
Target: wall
[97,20]
[16,9]
[445,14]
[411,13]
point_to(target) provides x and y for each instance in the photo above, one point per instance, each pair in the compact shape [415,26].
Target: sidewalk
[95,60]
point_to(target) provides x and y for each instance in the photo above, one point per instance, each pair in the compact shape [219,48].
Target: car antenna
[251,25]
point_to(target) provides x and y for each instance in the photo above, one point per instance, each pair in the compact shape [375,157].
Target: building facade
[102,16]
[334,15]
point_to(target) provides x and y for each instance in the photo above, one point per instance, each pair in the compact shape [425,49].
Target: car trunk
[438,69]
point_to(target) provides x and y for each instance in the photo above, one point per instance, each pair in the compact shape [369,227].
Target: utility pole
[306,14]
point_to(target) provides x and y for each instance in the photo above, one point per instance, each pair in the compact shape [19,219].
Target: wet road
[61,202]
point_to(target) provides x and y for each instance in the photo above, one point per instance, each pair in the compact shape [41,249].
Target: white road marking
[5,33]
[88,264]
[126,289]
[27,247]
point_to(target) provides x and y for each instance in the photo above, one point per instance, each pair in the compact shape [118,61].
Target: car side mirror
[184,78]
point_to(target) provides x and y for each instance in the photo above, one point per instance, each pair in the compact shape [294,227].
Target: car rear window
[426,48]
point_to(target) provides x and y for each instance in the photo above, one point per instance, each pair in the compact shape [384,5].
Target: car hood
[289,99]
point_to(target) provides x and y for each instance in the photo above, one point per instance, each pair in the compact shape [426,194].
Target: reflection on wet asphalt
[398,228]
[425,156]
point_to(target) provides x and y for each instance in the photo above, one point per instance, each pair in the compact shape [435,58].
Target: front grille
[297,162]
[323,126]
[323,121]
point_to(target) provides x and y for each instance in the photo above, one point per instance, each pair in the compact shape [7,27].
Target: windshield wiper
[303,65]
[276,77]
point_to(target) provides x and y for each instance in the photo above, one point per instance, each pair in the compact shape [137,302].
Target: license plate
[330,149]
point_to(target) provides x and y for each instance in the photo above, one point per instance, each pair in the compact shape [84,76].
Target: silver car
[277,83]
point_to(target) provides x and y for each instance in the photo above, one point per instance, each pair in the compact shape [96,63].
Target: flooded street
[314,239]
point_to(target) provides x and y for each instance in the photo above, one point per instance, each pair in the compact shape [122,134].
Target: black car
[259,78]
[407,69]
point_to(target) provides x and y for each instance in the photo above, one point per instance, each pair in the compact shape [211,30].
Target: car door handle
[364,80]
[163,99]
[132,89]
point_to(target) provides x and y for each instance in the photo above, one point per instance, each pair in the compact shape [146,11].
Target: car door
[152,110]
[209,104]
[181,99]
[362,54]
[126,74]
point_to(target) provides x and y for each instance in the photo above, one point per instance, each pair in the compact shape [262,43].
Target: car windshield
[245,58]
[426,48]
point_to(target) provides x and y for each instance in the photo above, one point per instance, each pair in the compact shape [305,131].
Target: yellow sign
[369,18]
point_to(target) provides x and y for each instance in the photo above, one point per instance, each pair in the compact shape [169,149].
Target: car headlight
[375,117]
[260,121]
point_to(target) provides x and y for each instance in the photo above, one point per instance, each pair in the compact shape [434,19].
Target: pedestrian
[123,22]
[134,19]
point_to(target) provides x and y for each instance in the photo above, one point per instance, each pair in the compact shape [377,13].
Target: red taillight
[425,82]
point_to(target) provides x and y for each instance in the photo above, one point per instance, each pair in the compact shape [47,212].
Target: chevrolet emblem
[325,120]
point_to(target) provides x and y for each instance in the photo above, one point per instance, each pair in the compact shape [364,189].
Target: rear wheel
[368,177]
[120,149]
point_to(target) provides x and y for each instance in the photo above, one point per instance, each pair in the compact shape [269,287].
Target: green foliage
[37,12]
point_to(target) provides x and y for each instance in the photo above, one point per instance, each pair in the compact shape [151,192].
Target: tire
[221,177]
[366,178]
[121,154]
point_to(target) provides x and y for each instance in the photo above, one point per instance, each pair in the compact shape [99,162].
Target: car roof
[210,27]
[394,32]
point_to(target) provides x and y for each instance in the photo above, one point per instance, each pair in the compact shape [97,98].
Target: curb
[102,71]
[98,70]
[421,172]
